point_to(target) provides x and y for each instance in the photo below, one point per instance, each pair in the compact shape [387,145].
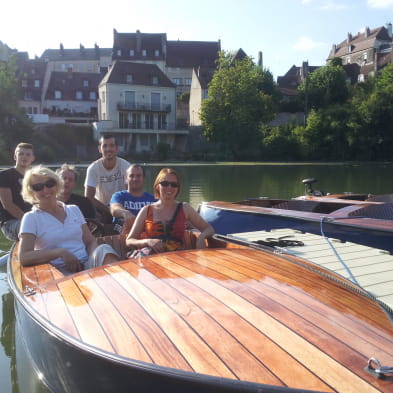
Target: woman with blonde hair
[160,226]
[55,232]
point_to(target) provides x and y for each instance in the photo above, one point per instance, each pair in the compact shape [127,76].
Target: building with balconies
[137,103]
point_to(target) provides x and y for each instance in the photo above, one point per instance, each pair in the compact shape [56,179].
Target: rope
[352,277]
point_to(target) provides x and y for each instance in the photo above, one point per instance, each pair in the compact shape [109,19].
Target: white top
[51,233]
[106,182]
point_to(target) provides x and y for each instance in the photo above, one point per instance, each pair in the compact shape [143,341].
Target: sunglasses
[40,186]
[169,183]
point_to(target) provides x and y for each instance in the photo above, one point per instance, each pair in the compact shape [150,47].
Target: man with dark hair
[105,176]
[12,205]
[125,205]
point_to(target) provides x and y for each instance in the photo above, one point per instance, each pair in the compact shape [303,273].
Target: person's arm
[89,240]
[8,203]
[199,223]
[118,211]
[28,256]
[90,193]
[133,239]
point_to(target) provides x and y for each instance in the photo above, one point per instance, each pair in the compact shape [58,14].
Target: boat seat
[304,206]
[383,212]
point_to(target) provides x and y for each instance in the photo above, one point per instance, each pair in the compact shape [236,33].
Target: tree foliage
[240,99]
[325,86]
[14,125]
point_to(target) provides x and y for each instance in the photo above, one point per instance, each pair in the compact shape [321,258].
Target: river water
[199,183]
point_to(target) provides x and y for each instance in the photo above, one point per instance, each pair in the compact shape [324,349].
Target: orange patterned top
[170,232]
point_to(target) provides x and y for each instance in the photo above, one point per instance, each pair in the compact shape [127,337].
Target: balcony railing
[166,108]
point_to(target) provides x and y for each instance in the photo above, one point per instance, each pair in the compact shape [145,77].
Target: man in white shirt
[105,176]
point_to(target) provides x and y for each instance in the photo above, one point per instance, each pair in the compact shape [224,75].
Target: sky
[287,32]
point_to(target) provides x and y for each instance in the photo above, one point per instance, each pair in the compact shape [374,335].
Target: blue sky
[286,31]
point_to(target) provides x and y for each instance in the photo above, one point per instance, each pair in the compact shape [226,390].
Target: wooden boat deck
[238,313]
[371,268]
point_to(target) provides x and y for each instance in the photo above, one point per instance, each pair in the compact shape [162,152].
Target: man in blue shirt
[125,205]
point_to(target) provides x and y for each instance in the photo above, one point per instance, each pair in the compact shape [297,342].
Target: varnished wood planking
[88,327]
[334,374]
[152,346]
[244,275]
[273,357]
[116,329]
[194,350]
[372,268]
[242,363]
[267,266]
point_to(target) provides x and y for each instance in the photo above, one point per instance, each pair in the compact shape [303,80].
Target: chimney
[349,38]
[389,29]
[61,49]
[138,41]
[366,32]
[260,59]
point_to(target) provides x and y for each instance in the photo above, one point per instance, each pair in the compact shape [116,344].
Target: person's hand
[72,262]
[156,244]
[201,242]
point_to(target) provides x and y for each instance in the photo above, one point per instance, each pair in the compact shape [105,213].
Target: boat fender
[375,368]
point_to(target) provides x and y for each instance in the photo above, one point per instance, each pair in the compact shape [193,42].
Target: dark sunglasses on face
[40,186]
[169,183]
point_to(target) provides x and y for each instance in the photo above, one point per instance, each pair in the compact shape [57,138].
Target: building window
[92,95]
[161,121]
[144,52]
[57,95]
[33,71]
[365,57]
[85,83]
[155,80]
[132,52]
[36,83]
[63,67]
[187,81]
[118,52]
[156,53]
[79,95]
[129,78]
[149,121]
[24,83]
[176,81]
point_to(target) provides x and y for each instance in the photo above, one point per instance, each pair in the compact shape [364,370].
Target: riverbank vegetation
[342,121]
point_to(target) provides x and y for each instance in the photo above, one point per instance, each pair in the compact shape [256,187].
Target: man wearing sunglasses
[125,205]
[12,205]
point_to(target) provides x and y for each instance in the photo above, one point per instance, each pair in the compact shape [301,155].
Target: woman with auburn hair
[160,226]
[55,232]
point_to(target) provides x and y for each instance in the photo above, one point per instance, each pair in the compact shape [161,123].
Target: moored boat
[362,220]
[229,318]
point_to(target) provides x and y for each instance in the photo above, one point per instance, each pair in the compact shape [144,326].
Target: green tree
[325,86]
[14,125]
[326,135]
[240,99]
[372,118]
